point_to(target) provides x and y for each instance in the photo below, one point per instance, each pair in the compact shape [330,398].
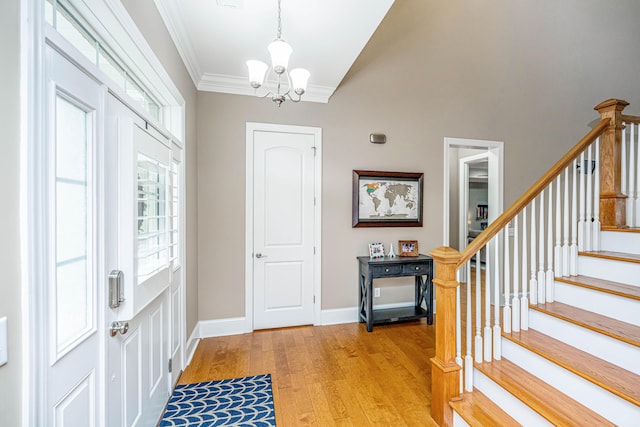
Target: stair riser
[617,271]
[509,403]
[618,241]
[610,406]
[616,307]
[458,421]
[599,345]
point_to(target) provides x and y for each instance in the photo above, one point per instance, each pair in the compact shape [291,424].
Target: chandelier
[294,81]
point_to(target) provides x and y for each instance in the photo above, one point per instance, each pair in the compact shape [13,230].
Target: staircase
[578,364]
[549,333]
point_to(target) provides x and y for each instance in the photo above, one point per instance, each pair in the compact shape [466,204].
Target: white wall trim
[339,315]
[192,344]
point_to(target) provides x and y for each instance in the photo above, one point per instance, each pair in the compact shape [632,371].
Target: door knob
[122,327]
[259,255]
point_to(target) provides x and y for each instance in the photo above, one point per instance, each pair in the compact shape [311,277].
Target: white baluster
[541,274]
[459,337]
[515,303]
[533,283]
[524,301]
[497,331]
[623,162]
[478,342]
[581,171]
[549,278]
[557,250]
[565,244]
[468,360]
[506,312]
[631,215]
[487,305]
[636,202]
[589,216]
[573,250]
[595,225]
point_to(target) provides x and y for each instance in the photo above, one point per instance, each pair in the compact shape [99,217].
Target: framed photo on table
[387,199]
[408,247]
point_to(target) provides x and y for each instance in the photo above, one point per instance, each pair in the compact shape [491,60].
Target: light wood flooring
[338,375]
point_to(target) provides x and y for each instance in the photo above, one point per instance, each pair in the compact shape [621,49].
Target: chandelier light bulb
[280,52]
[257,72]
[299,79]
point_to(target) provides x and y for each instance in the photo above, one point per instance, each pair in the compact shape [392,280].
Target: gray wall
[523,72]
[10,298]
[148,20]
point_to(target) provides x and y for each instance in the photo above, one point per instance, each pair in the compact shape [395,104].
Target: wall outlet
[376,292]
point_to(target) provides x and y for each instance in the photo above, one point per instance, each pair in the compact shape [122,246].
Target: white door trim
[248,265]
[496,174]
[463,193]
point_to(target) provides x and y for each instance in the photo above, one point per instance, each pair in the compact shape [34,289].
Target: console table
[419,267]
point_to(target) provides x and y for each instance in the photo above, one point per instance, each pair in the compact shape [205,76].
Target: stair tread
[608,286]
[553,405]
[626,229]
[616,256]
[602,324]
[479,411]
[619,381]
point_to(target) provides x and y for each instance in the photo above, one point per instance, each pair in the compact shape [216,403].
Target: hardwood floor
[338,375]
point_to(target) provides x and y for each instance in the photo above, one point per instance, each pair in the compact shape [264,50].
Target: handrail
[506,217]
[630,119]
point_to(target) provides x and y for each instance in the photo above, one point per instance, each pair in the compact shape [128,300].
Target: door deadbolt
[122,327]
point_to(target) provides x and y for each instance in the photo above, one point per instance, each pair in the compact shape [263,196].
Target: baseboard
[192,344]
[338,316]
[222,327]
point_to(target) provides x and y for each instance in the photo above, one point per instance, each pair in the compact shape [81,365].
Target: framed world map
[387,199]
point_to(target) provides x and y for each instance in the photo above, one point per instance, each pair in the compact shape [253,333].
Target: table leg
[362,310]
[369,304]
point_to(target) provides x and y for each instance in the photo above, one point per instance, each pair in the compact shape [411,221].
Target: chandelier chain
[279,21]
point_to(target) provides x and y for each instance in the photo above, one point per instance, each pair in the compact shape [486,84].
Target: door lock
[122,327]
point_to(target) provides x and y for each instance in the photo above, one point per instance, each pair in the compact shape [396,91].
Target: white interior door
[283,225]
[72,247]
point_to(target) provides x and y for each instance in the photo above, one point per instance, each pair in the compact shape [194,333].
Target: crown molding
[177,30]
[240,86]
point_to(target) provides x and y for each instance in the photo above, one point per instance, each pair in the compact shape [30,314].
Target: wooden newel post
[445,372]
[612,201]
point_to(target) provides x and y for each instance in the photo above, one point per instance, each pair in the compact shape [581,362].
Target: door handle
[115,288]
[122,327]
[259,255]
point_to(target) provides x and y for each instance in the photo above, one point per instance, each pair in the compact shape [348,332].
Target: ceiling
[215,38]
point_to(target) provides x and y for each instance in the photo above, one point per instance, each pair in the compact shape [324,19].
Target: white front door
[71,253]
[283,225]
[139,213]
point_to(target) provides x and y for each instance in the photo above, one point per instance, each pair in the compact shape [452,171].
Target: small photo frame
[408,247]
[376,250]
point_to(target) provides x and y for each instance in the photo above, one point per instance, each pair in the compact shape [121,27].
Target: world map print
[388,199]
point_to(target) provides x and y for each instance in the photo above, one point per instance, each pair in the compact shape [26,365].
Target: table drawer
[385,270]
[415,269]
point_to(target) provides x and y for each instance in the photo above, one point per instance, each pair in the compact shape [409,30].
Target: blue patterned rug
[244,401]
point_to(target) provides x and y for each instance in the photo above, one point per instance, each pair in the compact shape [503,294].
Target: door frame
[495,152]
[252,127]
[463,193]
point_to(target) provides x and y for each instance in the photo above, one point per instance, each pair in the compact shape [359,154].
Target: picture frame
[376,250]
[387,199]
[408,248]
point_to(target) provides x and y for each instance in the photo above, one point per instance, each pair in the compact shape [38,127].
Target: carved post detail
[445,372]
[612,201]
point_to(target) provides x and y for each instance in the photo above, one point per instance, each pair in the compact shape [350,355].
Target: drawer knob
[386,270]
[417,268]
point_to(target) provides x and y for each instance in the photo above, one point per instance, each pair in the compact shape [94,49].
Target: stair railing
[587,184]
[630,168]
